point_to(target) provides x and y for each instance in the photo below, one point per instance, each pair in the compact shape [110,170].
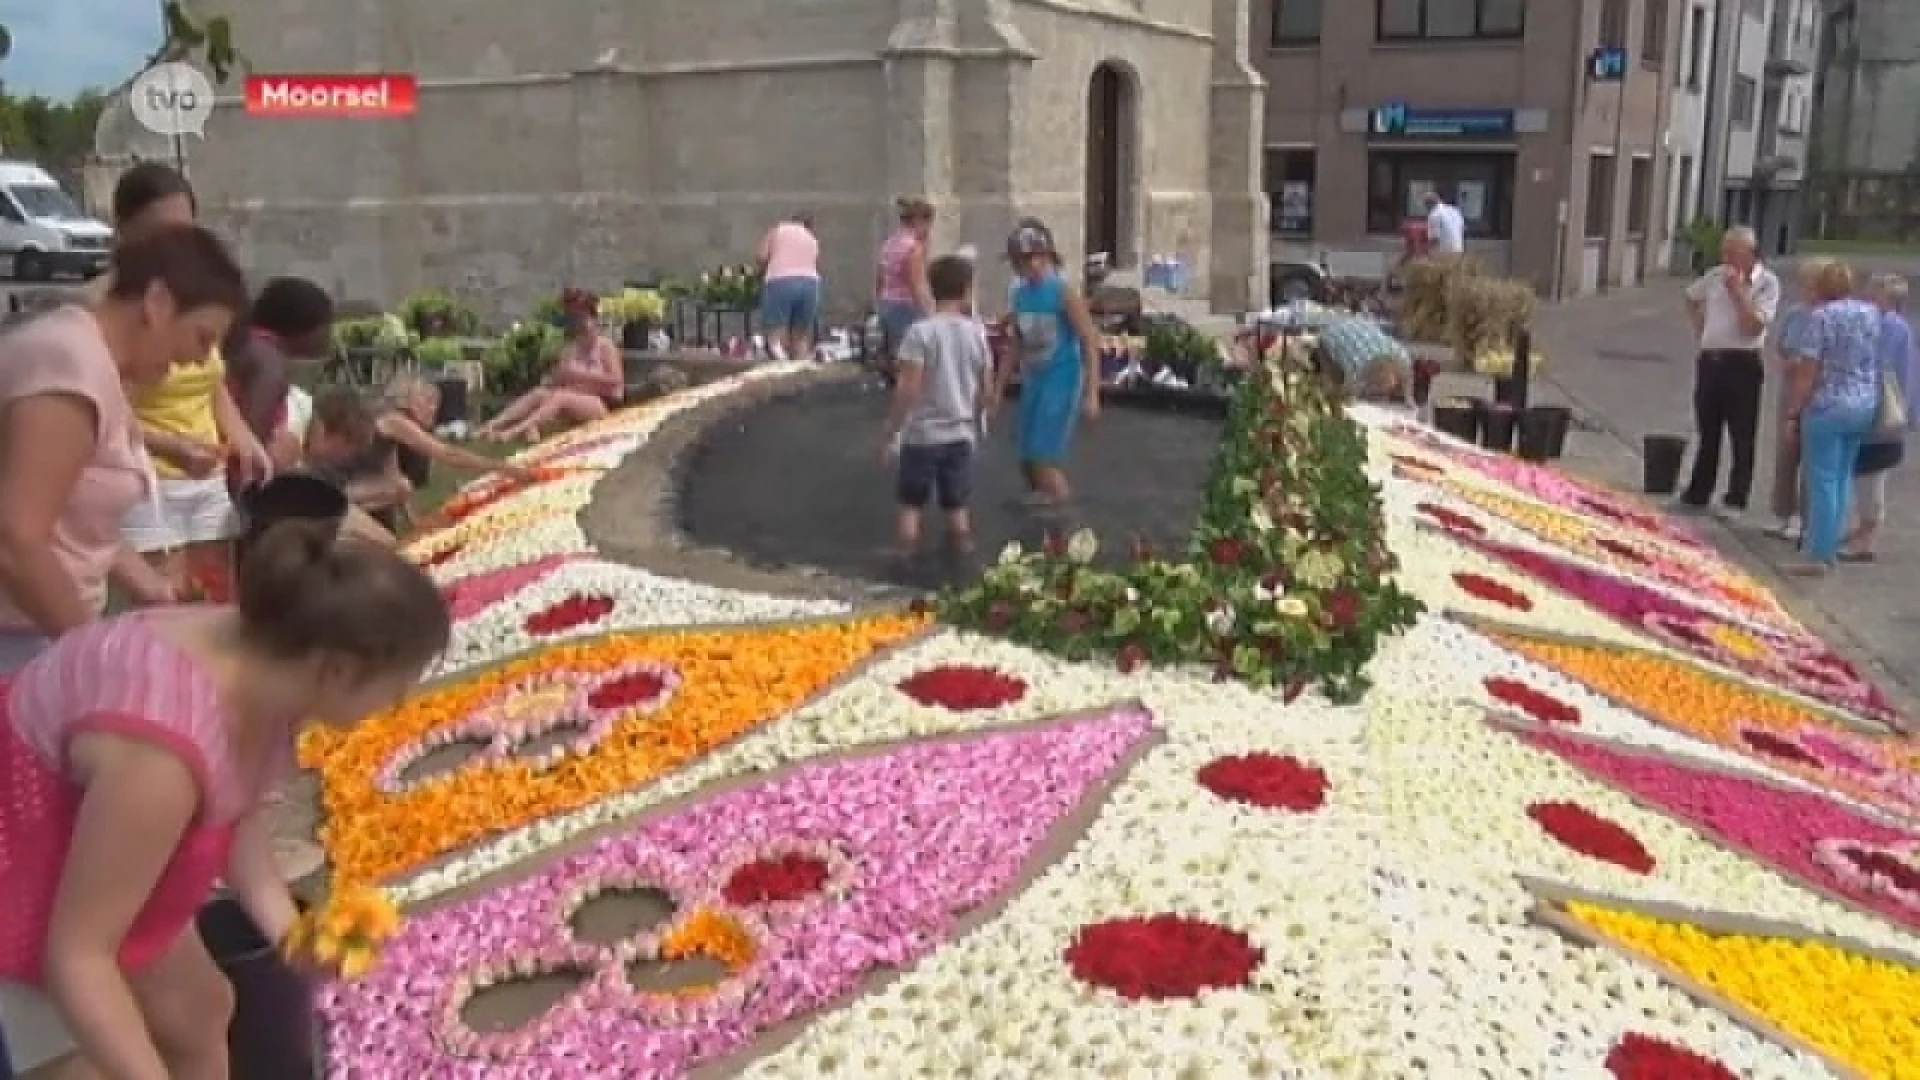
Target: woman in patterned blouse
[1830,405]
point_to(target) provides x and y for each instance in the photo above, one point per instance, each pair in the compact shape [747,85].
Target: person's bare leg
[187,1005]
[68,1068]
[800,344]
[517,412]
[960,531]
[906,532]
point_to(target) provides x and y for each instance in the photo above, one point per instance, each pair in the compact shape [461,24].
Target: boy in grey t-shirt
[941,399]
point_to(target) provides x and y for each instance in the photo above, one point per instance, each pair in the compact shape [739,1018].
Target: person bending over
[289,324]
[138,753]
[942,395]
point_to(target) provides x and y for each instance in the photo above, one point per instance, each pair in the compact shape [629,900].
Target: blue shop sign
[1408,122]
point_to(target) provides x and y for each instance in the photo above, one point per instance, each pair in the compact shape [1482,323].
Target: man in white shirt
[1446,226]
[1731,307]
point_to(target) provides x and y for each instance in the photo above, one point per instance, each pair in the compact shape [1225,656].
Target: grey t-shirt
[954,352]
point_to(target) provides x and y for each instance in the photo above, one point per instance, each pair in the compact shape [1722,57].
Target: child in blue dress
[1057,351]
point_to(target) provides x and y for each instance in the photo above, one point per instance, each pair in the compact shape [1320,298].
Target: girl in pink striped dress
[134,757]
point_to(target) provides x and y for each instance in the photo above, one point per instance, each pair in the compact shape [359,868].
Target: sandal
[1857,556]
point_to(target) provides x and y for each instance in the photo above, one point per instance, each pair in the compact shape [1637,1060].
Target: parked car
[43,231]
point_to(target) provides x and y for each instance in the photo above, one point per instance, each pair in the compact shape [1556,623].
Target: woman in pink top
[901,293]
[72,462]
[135,754]
[790,287]
[587,381]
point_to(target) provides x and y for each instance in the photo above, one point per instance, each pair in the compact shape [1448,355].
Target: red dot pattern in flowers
[1452,519]
[1884,869]
[1493,592]
[569,614]
[628,691]
[777,879]
[1643,1057]
[1537,704]
[1162,957]
[1586,832]
[1268,781]
[963,688]
[1775,746]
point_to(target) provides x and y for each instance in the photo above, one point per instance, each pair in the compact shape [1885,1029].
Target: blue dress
[1050,369]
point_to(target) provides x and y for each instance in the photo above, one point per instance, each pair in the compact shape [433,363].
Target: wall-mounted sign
[1607,64]
[1404,121]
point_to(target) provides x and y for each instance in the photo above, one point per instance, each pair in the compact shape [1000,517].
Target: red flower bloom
[1898,875]
[1162,957]
[629,690]
[1592,835]
[1131,658]
[962,688]
[1538,704]
[441,558]
[1054,544]
[1000,615]
[1269,781]
[1643,1057]
[1620,549]
[1493,592]
[778,879]
[1226,551]
[569,614]
[1342,609]
[1766,742]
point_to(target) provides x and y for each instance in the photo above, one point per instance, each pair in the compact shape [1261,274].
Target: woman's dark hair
[196,268]
[579,303]
[143,185]
[913,210]
[305,589]
[290,308]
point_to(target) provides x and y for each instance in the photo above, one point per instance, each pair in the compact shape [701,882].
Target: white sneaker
[1728,514]
[1787,529]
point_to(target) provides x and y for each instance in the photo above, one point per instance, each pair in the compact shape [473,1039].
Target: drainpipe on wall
[1576,159]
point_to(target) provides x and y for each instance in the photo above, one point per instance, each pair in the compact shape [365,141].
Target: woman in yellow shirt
[191,425]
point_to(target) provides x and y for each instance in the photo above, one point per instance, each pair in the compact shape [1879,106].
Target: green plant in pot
[520,359]
[439,354]
[1176,346]
[432,313]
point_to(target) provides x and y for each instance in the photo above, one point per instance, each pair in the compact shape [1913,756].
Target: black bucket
[1498,423]
[292,497]
[273,1034]
[1660,460]
[1543,432]
[453,400]
[1459,419]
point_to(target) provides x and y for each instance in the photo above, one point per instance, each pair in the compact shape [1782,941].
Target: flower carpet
[1420,763]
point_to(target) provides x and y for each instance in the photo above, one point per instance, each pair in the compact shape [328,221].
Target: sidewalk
[1624,363]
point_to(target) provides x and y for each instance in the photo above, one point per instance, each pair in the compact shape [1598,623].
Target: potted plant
[437,354]
[1703,237]
[374,343]
[432,313]
[639,312]
[520,359]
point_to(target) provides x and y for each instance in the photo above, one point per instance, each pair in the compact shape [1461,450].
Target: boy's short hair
[344,414]
[950,278]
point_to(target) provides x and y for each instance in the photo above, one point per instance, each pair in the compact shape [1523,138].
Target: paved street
[1624,362]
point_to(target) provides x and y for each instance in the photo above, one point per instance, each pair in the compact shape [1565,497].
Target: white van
[43,231]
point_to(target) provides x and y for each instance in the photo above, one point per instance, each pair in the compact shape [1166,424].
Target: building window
[1296,22]
[1411,20]
[1480,184]
[1613,22]
[1683,195]
[1653,36]
[1639,195]
[1740,109]
[1696,46]
[1600,169]
[1289,182]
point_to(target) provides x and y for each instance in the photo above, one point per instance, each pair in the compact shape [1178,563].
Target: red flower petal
[1883,868]
[569,614]
[1766,742]
[1451,518]
[628,690]
[442,558]
[1493,592]
[1269,781]
[1538,704]
[778,879]
[1643,1057]
[1591,835]
[1162,957]
[963,688]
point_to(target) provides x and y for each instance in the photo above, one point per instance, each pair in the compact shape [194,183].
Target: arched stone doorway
[1113,108]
